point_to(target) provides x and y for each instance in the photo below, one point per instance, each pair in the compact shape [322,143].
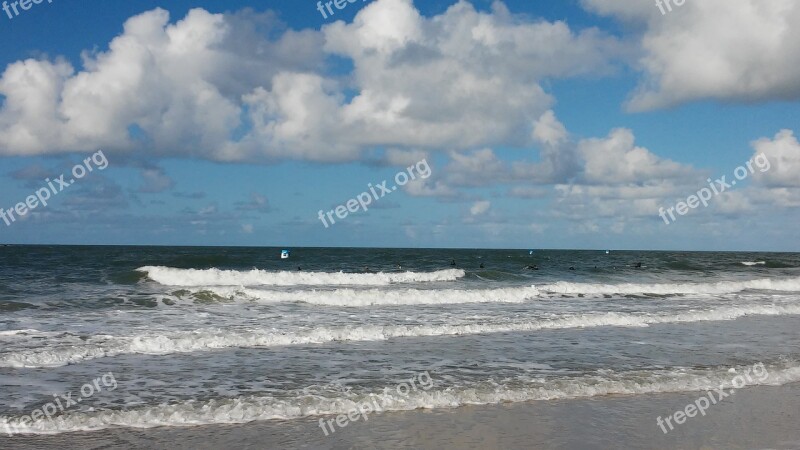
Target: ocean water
[202,336]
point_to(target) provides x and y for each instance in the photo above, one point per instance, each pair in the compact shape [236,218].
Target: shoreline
[755,417]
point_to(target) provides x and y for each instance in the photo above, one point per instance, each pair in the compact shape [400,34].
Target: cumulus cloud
[748,50]
[549,130]
[558,153]
[215,86]
[782,164]
[617,160]
[159,85]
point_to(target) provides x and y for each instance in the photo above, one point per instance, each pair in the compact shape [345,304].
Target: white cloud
[549,130]
[747,50]
[177,86]
[558,155]
[616,160]
[480,208]
[212,86]
[445,81]
[781,168]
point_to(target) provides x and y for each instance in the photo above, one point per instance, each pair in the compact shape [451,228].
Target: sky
[578,124]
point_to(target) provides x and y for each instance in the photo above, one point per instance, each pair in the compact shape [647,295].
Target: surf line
[364,408]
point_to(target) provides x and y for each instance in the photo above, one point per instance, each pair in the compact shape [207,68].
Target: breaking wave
[381,297]
[721,287]
[217,277]
[217,338]
[322,402]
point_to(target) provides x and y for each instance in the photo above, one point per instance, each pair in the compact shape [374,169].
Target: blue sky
[545,125]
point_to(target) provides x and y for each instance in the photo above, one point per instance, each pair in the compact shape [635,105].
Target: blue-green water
[195,336]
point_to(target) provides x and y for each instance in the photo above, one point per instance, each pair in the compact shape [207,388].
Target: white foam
[381,297]
[306,403]
[216,277]
[212,339]
[721,287]
[18,332]
[754,263]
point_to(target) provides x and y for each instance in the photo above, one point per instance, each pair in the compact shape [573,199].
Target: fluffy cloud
[171,88]
[782,164]
[617,160]
[213,86]
[748,50]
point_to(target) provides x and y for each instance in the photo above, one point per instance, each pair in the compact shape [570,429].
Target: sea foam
[218,338]
[310,402]
[216,277]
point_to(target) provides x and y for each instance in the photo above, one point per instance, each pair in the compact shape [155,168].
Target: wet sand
[752,418]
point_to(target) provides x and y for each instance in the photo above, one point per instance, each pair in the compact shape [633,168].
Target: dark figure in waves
[533,267]
[453,262]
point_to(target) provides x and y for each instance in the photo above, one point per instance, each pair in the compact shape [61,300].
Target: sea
[94,338]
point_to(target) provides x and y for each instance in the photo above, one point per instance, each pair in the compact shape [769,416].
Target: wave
[216,277]
[377,297]
[754,263]
[18,332]
[218,339]
[720,287]
[322,402]
[392,297]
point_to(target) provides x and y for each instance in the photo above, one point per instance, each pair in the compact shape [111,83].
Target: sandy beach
[753,418]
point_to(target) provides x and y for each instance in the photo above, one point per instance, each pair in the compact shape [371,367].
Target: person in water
[453,262]
[482,267]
